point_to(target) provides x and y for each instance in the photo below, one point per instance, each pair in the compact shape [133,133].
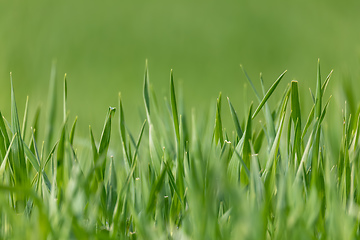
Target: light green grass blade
[270,125]
[326,82]
[139,141]
[235,119]
[268,94]
[318,97]
[2,146]
[274,149]
[5,160]
[25,119]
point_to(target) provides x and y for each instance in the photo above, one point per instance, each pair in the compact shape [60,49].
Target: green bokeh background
[102,46]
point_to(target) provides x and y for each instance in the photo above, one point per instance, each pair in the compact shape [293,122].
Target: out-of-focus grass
[277,174]
[102,46]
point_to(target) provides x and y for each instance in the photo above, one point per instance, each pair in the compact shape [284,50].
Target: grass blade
[235,119]
[268,94]
[174,107]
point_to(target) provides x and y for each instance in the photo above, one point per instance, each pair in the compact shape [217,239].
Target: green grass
[183,177]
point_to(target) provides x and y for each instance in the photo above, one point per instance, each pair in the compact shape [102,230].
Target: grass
[183,177]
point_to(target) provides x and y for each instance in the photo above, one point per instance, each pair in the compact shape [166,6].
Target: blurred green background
[102,46]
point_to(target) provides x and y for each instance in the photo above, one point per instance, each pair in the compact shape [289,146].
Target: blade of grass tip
[105,136]
[146,91]
[51,111]
[268,94]
[18,149]
[6,156]
[251,83]
[218,124]
[51,154]
[65,97]
[174,107]
[326,82]
[318,96]
[312,95]
[246,151]
[72,132]
[105,139]
[235,119]
[122,129]
[25,118]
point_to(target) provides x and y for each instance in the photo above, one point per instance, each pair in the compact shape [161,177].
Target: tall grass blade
[268,94]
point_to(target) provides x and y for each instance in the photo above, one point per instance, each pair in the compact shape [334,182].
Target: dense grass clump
[182,178]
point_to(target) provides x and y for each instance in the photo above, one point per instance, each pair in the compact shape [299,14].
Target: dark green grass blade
[60,159]
[296,116]
[218,133]
[105,136]
[174,107]
[146,91]
[4,131]
[235,119]
[122,129]
[268,94]
[18,149]
[72,132]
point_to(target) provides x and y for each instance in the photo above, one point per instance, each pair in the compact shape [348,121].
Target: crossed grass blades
[182,178]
